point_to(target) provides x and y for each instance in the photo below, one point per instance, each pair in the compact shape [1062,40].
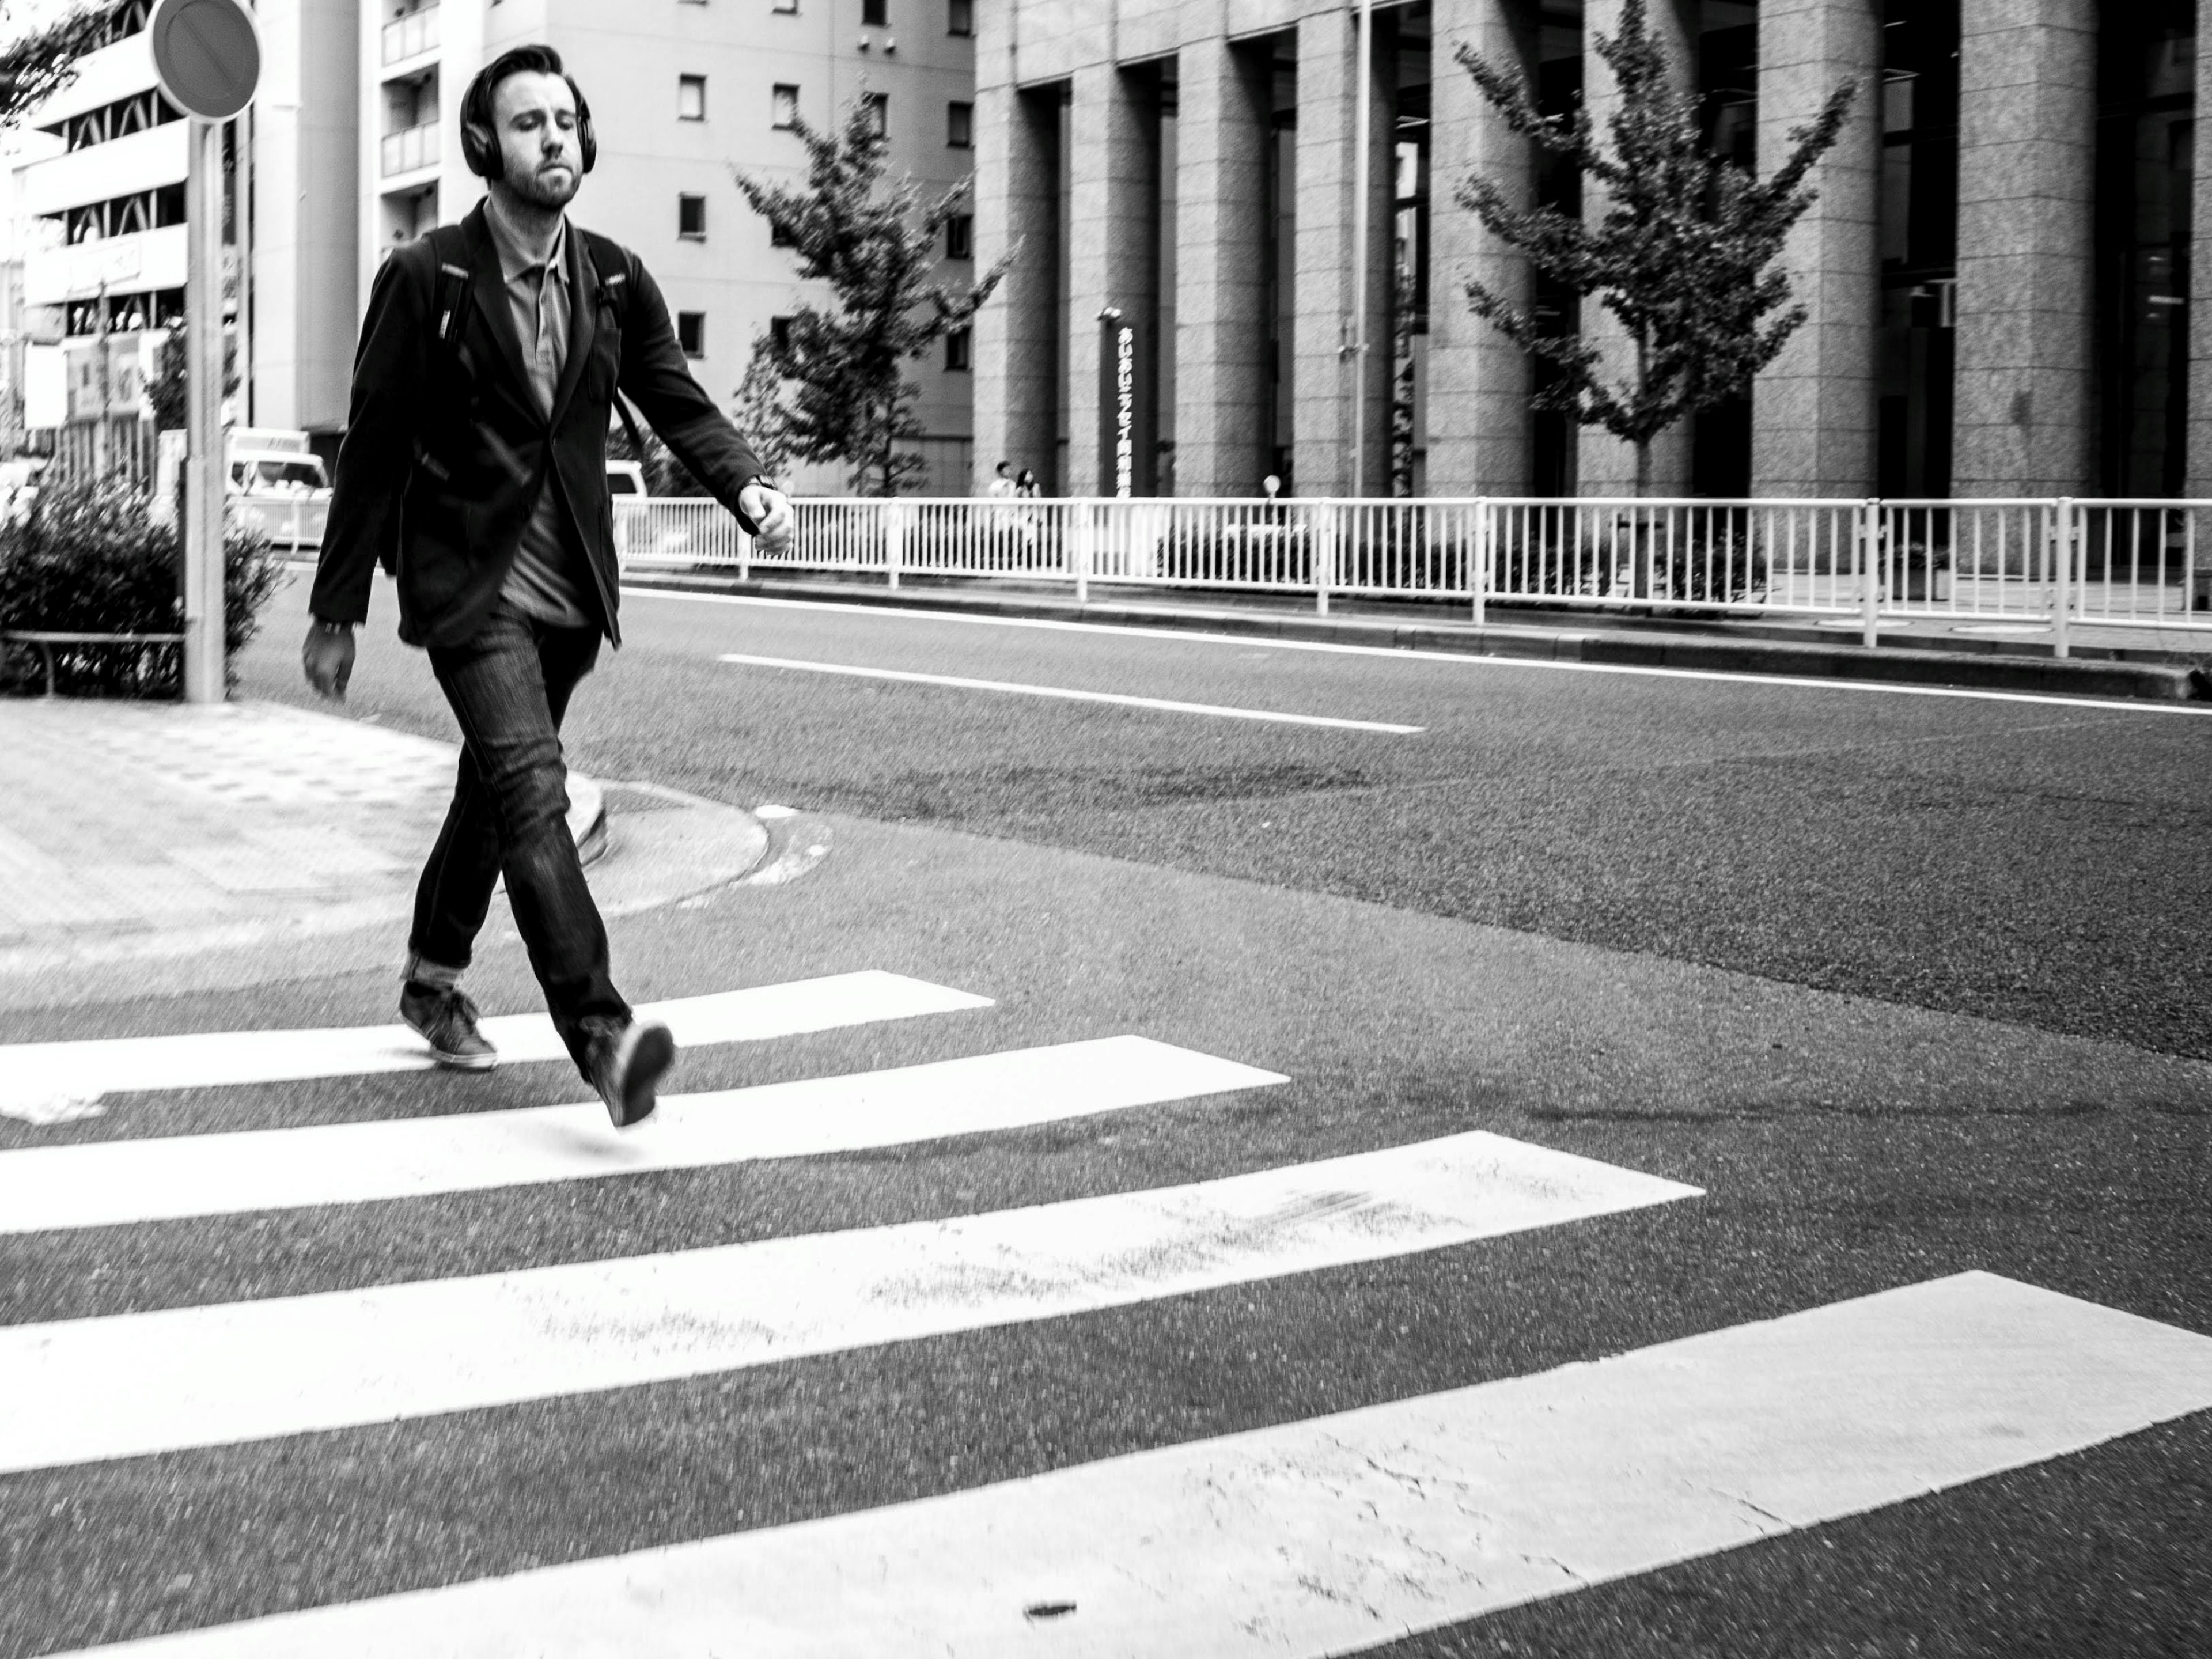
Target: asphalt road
[2037,862]
[1609,913]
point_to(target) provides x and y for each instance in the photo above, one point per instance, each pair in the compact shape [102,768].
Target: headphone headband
[480,147]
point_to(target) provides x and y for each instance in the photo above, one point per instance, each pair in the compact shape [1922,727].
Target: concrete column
[1480,432]
[1222,385]
[1815,409]
[2197,480]
[1017,334]
[1607,466]
[1113,221]
[2026,180]
[1327,380]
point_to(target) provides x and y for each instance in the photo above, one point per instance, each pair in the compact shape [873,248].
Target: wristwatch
[327,627]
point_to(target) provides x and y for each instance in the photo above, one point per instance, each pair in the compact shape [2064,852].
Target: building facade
[99,227]
[682,91]
[2000,273]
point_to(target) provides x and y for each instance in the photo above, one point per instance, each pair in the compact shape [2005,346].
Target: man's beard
[545,190]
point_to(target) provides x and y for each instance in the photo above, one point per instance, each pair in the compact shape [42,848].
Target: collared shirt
[547,578]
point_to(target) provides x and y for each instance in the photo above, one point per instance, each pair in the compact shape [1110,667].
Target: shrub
[88,560]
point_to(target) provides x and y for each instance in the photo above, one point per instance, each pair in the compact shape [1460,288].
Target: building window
[875,14]
[960,236]
[958,344]
[691,218]
[690,97]
[879,113]
[959,125]
[691,332]
[960,17]
[785,105]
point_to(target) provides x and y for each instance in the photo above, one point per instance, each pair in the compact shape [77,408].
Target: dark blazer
[446,448]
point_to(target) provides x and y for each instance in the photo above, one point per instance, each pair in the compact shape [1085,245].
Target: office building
[2000,272]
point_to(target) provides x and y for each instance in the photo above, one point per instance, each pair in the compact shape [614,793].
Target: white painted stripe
[77,1391]
[1345,1532]
[109,1183]
[1260,641]
[1119,699]
[215,1059]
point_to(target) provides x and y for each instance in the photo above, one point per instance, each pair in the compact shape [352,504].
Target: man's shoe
[444,1017]
[627,1060]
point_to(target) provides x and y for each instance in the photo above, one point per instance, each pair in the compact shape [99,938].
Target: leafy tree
[833,387]
[39,64]
[169,391]
[1683,254]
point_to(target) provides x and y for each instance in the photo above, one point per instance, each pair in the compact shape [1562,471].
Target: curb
[1978,669]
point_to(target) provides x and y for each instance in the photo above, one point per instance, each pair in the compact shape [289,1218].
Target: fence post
[1082,549]
[745,546]
[1482,544]
[1324,554]
[1870,573]
[894,540]
[2062,576]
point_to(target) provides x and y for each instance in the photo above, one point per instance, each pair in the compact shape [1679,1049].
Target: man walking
[474,468]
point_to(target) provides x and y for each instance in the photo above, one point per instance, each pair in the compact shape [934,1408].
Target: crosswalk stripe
[107,1183]
[75,1391]
[95,1066]
[1343,1532]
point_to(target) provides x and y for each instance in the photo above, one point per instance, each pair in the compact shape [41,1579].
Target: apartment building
[99,223]
[681,92]
[2001,275]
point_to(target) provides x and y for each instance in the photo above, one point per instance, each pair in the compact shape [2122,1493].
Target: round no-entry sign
[208,54]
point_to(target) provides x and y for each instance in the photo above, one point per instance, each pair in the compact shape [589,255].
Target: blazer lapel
[583,322]
[488,288]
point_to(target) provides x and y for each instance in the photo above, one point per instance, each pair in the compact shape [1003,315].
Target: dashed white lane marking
[1256,642]
[1066,694]
[108,1184]
[81,1390]
[36,1071]
[1343,1532]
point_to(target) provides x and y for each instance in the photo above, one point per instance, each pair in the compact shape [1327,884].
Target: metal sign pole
[204,440]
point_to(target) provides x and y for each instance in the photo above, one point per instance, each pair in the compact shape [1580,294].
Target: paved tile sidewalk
[121,819]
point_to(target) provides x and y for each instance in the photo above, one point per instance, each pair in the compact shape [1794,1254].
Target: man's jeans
[509,687]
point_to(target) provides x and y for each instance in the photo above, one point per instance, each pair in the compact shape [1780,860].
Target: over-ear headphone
[480,138]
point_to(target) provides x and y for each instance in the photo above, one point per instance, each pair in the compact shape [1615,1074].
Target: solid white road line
[1345,1532]
[96,1067]
[1117,698]
[1260,641]
[109,1183]
[80,1390]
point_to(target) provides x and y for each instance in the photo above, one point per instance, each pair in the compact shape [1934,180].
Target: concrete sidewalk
[148,847]
[2167,665]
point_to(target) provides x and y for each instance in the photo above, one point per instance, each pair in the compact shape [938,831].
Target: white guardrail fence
[2052,564]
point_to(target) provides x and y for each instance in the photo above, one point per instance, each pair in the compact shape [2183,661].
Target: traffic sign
[208,54]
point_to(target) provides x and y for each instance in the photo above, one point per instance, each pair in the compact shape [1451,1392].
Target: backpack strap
[450,244]
[613,264]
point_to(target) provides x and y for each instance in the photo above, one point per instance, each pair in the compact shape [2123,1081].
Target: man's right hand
[327,658]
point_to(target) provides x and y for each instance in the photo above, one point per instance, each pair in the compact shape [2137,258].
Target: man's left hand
[770,509]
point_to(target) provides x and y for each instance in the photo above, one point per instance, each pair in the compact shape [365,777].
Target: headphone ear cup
[587,137]
[482,159]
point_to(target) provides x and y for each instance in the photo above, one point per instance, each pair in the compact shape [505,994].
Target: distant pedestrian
[1025,486]
[474,468]
[1001,487]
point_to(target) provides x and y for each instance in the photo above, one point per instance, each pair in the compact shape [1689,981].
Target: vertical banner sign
[1123,469]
